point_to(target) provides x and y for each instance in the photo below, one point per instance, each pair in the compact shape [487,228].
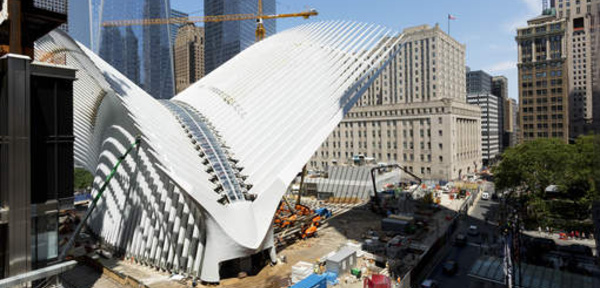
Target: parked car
[485,196]
[430,284]
[473,230]
[450,267]
[460,240]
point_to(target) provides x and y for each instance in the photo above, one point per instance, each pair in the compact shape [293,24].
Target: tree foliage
[533,166]
[82,179]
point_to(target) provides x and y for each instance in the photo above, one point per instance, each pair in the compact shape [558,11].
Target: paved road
[476,245]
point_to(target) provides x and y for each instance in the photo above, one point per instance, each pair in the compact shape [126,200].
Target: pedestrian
[572,234]
[577,234]
[547,230]
[540,230]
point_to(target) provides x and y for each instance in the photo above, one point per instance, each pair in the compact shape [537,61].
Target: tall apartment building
[543,78]
[500,89]
[415,113]
[582,20]
[226,39]
[490,128]
[188,56]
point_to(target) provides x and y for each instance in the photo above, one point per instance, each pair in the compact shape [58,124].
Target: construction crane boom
[259,17]
[194,19]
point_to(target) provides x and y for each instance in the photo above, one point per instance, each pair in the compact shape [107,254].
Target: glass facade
[210,146]
[142,53]
[226,39]
[175,27]
[79,25]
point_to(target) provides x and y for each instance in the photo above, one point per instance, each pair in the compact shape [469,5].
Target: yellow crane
[259,17]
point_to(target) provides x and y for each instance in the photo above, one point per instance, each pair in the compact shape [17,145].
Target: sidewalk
[555,236]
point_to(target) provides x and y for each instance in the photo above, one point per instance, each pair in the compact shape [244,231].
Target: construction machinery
[259,17]
[380,203]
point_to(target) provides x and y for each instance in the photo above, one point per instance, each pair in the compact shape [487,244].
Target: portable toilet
[341,262]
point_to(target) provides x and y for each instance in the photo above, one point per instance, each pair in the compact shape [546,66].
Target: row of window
[542,117]
[543,126]
[530,135]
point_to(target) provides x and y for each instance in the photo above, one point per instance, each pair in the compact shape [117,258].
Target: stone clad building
[188,56]
[543,79]
[582,23]
[414,114]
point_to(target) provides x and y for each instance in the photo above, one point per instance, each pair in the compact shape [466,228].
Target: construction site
[348,241]
[204,189]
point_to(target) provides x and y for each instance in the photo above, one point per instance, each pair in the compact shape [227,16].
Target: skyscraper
[583,60]
[508,106]
[490,128]
[188,57]
[500,90]
[500,86]
[543,79]
[176,14]
[142,53]
[479,81]
[415,113]
[511,125]
[226,39]
[479,92]
[79,23]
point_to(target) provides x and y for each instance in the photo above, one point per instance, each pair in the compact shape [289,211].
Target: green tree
[534,165]
[82,179]
[581,178]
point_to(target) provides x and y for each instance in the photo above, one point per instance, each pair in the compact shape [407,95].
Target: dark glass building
[142,53]
[226,39]
[479,81]
[175,27]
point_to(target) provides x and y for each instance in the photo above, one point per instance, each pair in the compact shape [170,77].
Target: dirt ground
[340,229]
[351,225]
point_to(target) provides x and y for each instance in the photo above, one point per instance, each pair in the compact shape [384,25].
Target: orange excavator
[308,231]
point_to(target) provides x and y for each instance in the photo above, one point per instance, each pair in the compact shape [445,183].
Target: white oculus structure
[216,159]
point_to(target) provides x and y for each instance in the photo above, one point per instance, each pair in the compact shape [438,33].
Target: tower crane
[259,17]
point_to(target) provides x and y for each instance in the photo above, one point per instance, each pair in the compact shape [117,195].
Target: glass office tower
[142,53]
[226,39]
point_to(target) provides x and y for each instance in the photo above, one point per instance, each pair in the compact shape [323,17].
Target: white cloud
[502,66]
[534,8]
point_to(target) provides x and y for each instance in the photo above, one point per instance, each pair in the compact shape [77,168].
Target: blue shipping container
[312,281]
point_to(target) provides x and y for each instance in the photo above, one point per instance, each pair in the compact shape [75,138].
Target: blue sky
[487,27]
